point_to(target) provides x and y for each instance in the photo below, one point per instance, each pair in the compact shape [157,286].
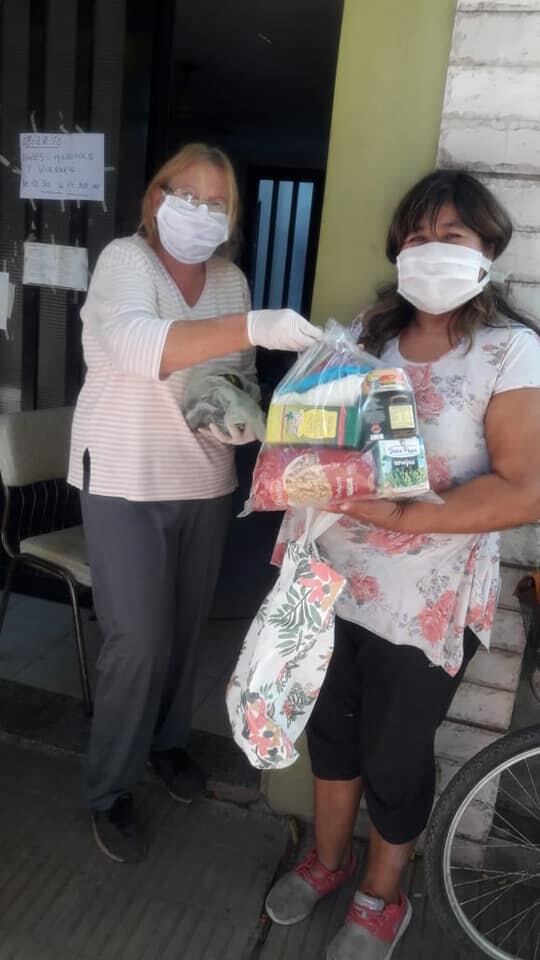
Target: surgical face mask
[190,233]
[438,277]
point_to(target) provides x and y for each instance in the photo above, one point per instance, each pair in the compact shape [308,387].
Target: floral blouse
[423,590]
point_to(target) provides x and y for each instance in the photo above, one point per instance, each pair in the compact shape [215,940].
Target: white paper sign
[4,300]
[53,265]
[62,166]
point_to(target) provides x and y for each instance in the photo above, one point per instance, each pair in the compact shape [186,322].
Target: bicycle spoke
[533,784]
[518,924]
[534,801]
[509,844]
[489,893]
[519,803]
[530,931]
[497,909]
[493,877]
[494,901]
[503,923]
[515,832]
[537,947]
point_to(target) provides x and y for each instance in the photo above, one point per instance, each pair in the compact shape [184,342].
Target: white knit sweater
[129,420]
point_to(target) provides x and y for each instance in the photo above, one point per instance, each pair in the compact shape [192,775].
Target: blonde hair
[188,155]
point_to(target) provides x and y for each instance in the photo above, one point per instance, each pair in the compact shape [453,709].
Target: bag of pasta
[341,426]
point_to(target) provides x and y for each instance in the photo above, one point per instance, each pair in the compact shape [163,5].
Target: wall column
[386,121]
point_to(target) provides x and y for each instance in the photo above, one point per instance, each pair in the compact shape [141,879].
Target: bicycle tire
[439,832]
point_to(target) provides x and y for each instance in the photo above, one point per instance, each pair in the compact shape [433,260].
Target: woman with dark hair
[423,577]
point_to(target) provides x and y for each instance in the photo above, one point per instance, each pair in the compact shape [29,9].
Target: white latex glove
[281,330]
[236,437]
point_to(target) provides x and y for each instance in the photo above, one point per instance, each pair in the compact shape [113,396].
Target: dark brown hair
[479,211]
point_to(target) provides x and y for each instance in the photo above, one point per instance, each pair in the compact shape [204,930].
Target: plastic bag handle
[317,523]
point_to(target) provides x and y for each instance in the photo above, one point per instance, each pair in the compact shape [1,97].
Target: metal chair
[41,519]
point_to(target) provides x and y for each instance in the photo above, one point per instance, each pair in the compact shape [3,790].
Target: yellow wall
[387,108]
[391,73]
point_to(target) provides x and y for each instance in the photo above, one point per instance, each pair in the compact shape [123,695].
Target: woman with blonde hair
[155,496]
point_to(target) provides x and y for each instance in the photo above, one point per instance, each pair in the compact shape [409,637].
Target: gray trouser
[154,572]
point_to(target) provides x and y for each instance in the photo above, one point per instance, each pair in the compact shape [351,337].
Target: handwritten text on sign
[55,265]
[62,166]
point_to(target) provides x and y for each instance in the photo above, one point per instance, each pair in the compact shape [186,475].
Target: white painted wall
[491,125]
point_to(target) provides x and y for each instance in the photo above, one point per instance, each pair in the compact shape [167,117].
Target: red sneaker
[295,894]
[372,930]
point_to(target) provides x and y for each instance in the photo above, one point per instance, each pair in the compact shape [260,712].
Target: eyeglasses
[213,206]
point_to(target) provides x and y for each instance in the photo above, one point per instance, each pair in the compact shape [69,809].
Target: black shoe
[118,833]
[184,780]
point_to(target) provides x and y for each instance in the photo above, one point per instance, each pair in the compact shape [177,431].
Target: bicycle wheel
[486,895]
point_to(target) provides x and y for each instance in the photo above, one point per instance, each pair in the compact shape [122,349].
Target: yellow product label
[274,424]
[296,424]
[317,424]
[401,416]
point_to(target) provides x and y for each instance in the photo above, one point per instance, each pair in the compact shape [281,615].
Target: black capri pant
[376,718]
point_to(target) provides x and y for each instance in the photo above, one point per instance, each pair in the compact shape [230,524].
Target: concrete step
[500,669]
[508,632]
[482,706]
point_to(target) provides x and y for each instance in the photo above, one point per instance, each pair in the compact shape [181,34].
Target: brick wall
[491,125]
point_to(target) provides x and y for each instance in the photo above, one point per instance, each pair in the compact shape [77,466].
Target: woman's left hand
[237,436]
[381,513]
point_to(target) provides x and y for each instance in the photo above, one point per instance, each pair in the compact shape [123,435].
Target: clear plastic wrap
[341,426]
[223,398]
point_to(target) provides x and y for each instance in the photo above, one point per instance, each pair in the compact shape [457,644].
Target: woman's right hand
[281,330]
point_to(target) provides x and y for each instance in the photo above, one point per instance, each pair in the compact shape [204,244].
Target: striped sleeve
[121,312]
[248,358]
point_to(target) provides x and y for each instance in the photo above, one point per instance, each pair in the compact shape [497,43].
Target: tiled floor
[37,648]
[203,909]
[198,895]
[37,645]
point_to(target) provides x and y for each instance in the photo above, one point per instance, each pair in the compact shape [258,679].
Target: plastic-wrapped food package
[222,398]
[292,476]
[341,426]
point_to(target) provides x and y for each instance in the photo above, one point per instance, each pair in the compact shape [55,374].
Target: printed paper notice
[4,300]
[53,265]
[62,166]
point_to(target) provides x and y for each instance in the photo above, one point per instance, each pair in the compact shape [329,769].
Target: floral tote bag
[285,655]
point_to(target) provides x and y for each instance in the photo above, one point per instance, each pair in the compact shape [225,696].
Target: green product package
[401,467]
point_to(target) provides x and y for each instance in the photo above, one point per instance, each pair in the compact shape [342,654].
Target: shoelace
[318,876]
[375,920]
[364,916]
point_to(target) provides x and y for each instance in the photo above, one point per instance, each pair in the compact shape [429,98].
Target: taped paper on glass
[62,166]
[55,265]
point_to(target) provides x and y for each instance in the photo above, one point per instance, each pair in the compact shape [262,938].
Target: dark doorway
[257,77]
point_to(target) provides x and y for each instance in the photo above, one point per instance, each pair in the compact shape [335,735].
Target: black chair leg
[81,652]
[7,590]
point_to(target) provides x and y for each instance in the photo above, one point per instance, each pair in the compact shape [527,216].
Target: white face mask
[190,234]
[438,277]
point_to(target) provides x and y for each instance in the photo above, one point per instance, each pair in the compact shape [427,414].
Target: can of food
[388,409]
